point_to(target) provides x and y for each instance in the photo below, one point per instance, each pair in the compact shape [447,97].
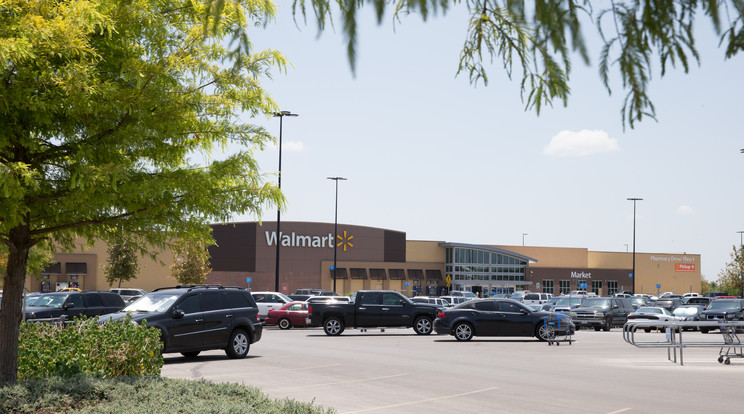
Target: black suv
[601,313]
[64,306]
[722,309]
[195,318]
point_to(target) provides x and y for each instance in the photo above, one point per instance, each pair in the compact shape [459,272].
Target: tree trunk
[11,310]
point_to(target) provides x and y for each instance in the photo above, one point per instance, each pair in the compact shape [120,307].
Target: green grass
[150,395]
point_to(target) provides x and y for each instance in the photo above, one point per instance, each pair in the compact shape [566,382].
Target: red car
[289,315]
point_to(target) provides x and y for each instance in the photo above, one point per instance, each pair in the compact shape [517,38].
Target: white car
[535,299]
[269,300]
[464,293]
[428,299]
[691,295]
[652,313]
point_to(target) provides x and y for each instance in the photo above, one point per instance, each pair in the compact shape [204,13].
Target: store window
[597,287]
[611,287]
[547,286]
[564,286]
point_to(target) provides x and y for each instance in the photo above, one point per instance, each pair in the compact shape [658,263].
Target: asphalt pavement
[397,371]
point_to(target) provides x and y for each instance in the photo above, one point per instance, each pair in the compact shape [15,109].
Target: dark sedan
[497,317]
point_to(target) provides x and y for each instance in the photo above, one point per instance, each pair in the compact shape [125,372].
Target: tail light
[441,314]
[309,310]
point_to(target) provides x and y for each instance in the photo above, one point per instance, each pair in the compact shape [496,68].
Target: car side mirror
[178,314]
[402,302]
[68,306]
[525,311]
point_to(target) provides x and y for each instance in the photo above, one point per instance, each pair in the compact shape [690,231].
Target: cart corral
[728,342]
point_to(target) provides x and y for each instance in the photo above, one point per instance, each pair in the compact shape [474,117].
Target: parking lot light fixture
[281,116]
[335,230]
[634,199]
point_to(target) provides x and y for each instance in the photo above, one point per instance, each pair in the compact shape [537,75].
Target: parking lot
[400,372]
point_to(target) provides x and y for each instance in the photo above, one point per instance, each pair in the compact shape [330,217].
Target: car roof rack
[199,286]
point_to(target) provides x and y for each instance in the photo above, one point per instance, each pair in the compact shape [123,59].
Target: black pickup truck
[373,309]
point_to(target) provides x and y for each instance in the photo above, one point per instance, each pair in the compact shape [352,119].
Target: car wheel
[703,330]
[333,326]
[543,333]
[463,331]
[608,324]
[284,323]
[647,329]
[422,325]
[190,355]
[238,345]
[597,328]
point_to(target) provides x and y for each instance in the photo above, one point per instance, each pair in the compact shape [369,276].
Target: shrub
[83,346]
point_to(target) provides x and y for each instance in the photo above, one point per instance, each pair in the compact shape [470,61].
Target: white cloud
[685,210]
[291,146]
[580,144]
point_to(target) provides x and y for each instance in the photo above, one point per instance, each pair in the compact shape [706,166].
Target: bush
[84,394]
[83,346]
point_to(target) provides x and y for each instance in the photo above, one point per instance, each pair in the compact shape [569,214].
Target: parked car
[699,300]
[688,313]
[299,298]
[314,292]
[651,313]
[564,304]
[668,302]
[195,318]
[428,299]
[464,293]
[269,300]
[602,312]
[518,295]
[638,301]
[535,299]
[624,293]
[691,295]
[374,309]
[722,309]
[289,315]
[70,289]
[129,294]
[454,300]
[67,305]
[496,317]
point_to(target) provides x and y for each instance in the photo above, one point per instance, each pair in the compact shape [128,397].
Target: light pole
[626,247]
[634,199]
[523,234]
[741,238]
[281,116]
[335,230]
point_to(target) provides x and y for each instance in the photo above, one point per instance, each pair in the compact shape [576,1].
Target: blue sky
[427,153]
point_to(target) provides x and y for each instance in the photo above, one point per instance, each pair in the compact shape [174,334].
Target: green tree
[732,277]
[121,264]
[191,264]
[537,39]
[104,106]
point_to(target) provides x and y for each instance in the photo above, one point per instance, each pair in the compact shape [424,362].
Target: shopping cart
[558,329]
[732,347]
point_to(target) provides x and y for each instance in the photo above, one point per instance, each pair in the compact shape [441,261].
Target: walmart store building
[376,258]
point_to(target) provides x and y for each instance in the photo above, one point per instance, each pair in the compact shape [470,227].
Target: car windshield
[568,301]
[49,301]
[153,302]
[285,297]
[686,311]
[647,309]
[721,305]
[637,300]
[596,303]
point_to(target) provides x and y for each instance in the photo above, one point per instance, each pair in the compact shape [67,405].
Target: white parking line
[422,401]
[622,410]
[334,383]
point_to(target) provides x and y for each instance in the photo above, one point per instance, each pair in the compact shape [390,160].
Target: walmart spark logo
[344,241]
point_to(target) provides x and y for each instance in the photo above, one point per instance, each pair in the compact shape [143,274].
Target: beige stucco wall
[152,273]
